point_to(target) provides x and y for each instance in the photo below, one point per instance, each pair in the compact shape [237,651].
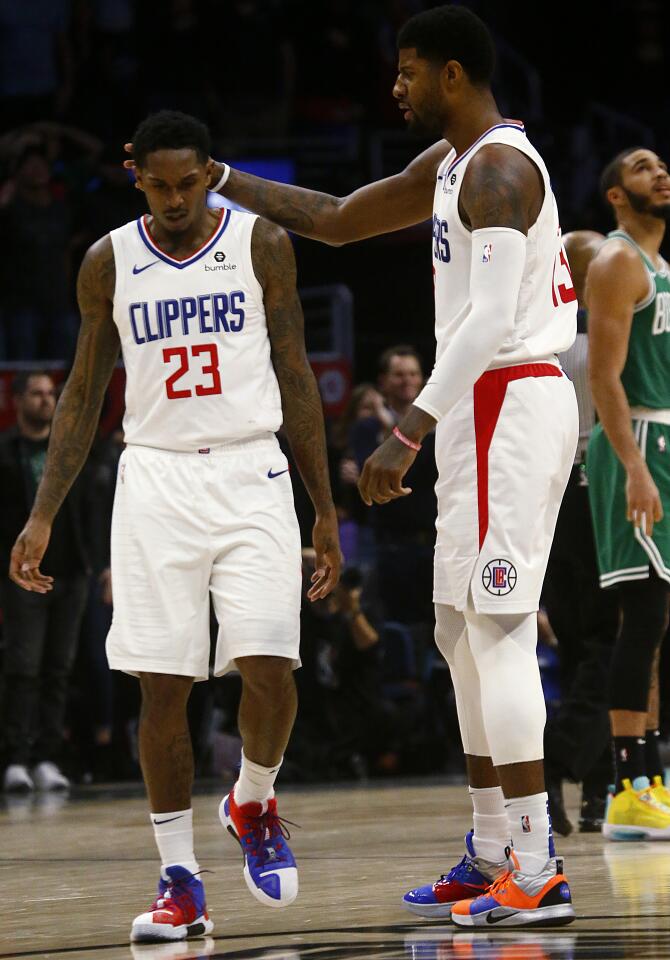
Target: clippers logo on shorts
[488,253]
[499,577]
[525,824]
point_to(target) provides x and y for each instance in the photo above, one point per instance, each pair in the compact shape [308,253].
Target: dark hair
[22,379]
[452,33]
[401,350]
[171,130]
[611,175]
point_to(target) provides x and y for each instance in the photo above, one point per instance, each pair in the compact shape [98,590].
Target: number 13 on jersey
[209,371]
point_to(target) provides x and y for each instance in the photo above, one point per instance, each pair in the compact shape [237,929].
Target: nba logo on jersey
[488,251]
[525,824]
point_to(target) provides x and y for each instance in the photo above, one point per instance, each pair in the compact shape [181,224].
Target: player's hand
[326,540]
[26,556]
[643,501]
[383,472]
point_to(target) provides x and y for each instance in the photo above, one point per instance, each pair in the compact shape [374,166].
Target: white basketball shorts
[504,455]
[187,525]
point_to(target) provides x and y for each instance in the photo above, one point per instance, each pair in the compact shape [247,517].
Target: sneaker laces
[171,886]
[501,884]
[452,875]
[265,828]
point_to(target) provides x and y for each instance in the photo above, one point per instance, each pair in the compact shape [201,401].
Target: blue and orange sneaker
[270,871]
[472,876]
[179,911]
[517,899]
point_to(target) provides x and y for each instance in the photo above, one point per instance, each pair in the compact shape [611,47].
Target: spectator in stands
[365,403]
[40,630]
[405,528]
[35,249]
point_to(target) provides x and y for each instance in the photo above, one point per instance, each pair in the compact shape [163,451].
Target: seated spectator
[40,630]
[405,528]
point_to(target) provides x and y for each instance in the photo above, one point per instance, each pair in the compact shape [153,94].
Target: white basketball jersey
[194,339]
[546,314]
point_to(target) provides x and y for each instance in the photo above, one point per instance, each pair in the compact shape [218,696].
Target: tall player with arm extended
[203,305]
[506,435]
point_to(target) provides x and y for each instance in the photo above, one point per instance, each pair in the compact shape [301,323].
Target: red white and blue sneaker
[469,878]
[517,899]
[179,911]
[269,867]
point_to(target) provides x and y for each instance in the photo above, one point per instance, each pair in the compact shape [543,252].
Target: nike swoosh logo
[137,269]
[495,916]
[271,475]
[169,820]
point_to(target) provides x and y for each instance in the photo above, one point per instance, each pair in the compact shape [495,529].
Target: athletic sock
[174,839]
[629,757]
[530,827]
[652,755]
[255,783]
[491,827]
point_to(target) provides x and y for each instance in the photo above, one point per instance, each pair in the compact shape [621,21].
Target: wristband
[222,181]
[403,439]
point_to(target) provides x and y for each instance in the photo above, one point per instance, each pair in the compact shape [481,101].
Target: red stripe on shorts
[489,394]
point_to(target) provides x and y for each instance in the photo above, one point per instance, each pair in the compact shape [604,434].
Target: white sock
[491,834]
[255,783]
[174,839]
[531,831]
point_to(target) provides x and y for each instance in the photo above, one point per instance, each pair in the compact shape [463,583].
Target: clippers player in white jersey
[204,307]
[506,435]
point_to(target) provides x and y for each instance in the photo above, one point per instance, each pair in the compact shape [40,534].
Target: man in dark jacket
[40,630]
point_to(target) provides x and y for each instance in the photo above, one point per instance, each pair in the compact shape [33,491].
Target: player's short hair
[452,33]
[401,350]
[611,175]
[23,378]
[171,130]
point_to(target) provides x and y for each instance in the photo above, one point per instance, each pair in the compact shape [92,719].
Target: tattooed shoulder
[272,254]
[502,188]
[97,274]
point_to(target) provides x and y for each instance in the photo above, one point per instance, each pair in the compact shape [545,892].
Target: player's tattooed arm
[381,207]
[502,188]
[274,266]
[77,413]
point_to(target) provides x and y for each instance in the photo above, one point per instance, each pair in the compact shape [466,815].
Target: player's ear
[138,179]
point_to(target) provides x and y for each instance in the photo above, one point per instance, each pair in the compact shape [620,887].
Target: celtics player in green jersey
[628,464]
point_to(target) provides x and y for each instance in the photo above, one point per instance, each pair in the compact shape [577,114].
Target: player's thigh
[161,565]
[256,577]
[529,463]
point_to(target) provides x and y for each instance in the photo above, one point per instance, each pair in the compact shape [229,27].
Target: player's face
[175,185]
[646,183]
[417,90]
[403,381]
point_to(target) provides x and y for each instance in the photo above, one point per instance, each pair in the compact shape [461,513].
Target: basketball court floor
[74,872]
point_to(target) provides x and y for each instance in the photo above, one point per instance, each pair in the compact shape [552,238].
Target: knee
[449,628]
[164,695]
[265,676]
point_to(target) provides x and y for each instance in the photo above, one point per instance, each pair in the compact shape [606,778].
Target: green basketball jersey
[646,375]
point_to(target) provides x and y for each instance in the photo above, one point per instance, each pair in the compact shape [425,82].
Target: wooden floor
[73,874]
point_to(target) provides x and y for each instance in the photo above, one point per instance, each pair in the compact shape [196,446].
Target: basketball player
[203,305]
[628,299]
[506,434]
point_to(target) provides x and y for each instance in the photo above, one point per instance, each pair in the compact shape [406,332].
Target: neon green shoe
[660,791]
[635,813]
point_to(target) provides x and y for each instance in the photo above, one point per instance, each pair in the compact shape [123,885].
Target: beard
[643,204]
